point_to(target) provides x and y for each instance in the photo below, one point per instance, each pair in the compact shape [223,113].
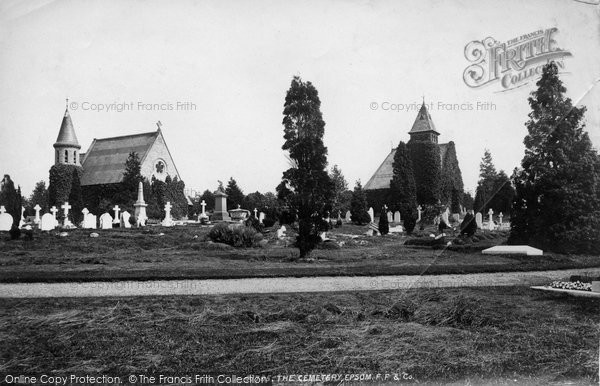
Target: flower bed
[571,285]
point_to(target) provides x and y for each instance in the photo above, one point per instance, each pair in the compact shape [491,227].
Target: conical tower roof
[423,122]
[66,135]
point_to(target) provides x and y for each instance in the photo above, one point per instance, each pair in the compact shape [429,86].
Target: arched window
[66,157]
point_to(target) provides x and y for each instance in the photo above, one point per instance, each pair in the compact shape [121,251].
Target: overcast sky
[234,60]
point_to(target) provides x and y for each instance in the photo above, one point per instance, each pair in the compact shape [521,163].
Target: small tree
[341,198]
[358,206]
[11,199]
[403,191]
[235,195]
[307,178]
[39,196]
[557,201]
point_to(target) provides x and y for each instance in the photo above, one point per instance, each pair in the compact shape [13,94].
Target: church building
[423,131]
[104,162]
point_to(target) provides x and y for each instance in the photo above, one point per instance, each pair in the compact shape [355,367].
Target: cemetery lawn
[509,334]
[185,253]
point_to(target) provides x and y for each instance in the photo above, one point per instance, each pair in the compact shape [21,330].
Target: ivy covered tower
[66,147]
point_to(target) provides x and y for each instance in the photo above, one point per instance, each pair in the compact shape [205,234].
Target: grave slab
[513,250]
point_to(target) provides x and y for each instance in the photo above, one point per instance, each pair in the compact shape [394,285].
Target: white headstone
[390,217]
[22,219]
[261,217]
[6,221]
[168,221]
[397,218]
[500,218]
[419,211]
[203,203]
[37,209]
[281,232]
[54,210]
[348,216]
[65,207]
[513,250]
[125,220]
[48,222]
[479,220]
[116,218]
[372,214]
[445,217]
[89,220]
[255,213]
[491,220]
[106,221]
[140,207]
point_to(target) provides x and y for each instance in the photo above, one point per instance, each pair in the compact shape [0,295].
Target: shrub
[384,226]
[237,236]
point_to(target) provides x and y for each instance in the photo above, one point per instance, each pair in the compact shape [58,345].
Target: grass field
[184,252]
[508,335]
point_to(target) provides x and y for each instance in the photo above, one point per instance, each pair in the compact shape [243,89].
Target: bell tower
[66,147]
[423,129]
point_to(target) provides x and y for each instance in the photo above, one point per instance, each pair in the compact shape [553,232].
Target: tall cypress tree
[358,206]
[311,187]
[557,201]
[11,199]
[403,191]
[235,195]
[425,158]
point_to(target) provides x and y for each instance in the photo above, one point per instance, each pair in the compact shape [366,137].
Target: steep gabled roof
[383,175]
[423,122]
[104,162]
[66,135]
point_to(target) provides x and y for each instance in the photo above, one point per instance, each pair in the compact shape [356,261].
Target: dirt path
[282,285]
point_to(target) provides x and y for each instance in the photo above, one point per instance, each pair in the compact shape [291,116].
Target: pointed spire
[423,122]
[66,135]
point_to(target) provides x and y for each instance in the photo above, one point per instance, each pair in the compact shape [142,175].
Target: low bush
[235,235]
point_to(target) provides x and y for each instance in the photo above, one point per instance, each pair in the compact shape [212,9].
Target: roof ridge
[128,135]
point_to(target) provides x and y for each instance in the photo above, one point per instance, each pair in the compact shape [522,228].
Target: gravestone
[89,220]
[140,207]
[281,232]
[203,215]
[419,212]
[348,216]
[372,214]
[456,217]
[116,220]
[397,218]
[6,221]
[261,217]
[66,222]
[54,210]
[106,221]
[22,219]
[390,217]
[37,209]
[167,221]
[255,213]
[47,222]
[125,220]
[220,213]
[445,217]
[500,219]
[479,220]
[513,250]
[491,220]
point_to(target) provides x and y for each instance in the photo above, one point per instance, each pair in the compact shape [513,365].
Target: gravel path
[282,285]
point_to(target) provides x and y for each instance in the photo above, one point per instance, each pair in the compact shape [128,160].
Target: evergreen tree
[557,202]
[341,198]
[209,199]
[11,199]
[503,193]
[127,192]
[487,181]
[39,196]
[384,225]
[425,158]
[311,187]
[358,206]
[75,199]
[235,196]
[403,191]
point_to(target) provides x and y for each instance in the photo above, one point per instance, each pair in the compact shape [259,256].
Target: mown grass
[184,252]
[434,335]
